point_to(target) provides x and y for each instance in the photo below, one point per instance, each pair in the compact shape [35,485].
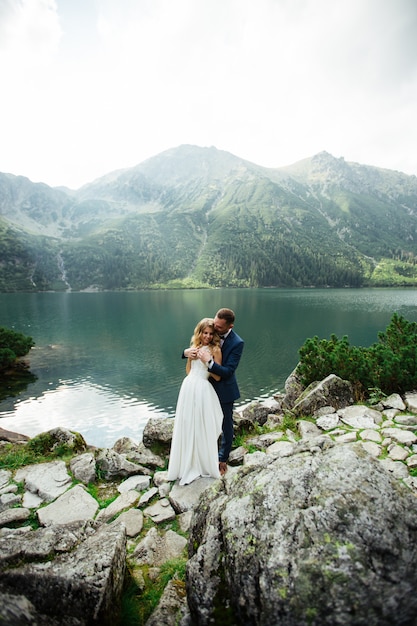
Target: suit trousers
[227,434]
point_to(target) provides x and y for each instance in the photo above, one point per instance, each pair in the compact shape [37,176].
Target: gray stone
[47,480]
[280,448]
[146,497]
[370,435]
[158,430]
[155,549]
[7,435]
[359,416]
[184,498]
[10,516]
[138,482]
[397,468]
[84,584]
[7,500]
[411,400]
[406,420]
[5,476]
[236,456]
[75,505]
[31,500]
[161,511]
[138,453]
[172,605]
[405,437]
[346,438]
[412,461]
[255,413]
[113,465]
[299,533]
[83,467]
[328,421]
[124,501]
[397,453]
[394,401]
[308,429]
[332,390]
[372,448]
[133,521]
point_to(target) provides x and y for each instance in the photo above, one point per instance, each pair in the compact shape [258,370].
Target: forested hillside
[201,217]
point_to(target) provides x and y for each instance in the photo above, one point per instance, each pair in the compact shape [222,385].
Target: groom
[226,388]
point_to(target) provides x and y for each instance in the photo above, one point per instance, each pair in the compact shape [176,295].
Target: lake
[107,362]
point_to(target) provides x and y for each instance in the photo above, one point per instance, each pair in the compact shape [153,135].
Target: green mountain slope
[203,217]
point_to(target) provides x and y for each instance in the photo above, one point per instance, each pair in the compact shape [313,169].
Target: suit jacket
[227,388]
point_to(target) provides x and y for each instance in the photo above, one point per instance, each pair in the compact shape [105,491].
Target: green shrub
[389,365]
[12,346]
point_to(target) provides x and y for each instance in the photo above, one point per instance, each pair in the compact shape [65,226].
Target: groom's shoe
[222,468]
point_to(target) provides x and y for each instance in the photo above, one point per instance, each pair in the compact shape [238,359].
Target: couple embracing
[205,401]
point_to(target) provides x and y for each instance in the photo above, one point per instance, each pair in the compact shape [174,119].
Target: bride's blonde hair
[198,331]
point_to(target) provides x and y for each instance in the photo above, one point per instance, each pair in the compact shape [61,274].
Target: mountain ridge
[203,217]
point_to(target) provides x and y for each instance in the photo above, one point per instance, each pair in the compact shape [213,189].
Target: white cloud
[103,84]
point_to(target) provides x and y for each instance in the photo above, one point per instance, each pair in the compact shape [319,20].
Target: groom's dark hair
[226,314]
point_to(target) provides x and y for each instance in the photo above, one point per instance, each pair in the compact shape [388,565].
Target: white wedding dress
[197,427]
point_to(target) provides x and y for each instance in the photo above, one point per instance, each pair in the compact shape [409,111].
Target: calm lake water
[107,362]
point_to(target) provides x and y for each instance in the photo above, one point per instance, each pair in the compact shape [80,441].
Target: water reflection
[97,413]
[106,362]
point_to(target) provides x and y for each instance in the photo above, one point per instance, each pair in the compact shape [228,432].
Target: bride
[198,415]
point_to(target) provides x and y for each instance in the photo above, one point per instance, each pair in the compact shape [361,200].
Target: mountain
[202,217]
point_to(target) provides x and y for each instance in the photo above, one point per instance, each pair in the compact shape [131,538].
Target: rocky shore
[314,524]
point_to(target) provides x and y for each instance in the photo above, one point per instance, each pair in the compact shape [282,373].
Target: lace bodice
[198,368]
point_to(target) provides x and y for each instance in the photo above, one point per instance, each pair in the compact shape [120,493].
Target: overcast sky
[91,86]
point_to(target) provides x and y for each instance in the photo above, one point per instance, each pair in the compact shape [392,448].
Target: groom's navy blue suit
[227,388]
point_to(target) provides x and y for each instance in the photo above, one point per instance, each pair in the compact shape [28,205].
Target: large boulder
[323,537]
[62,575]
[331,391]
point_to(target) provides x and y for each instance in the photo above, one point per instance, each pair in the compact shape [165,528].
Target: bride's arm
[217,358]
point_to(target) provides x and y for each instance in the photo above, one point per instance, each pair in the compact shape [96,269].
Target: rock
[52,439]
[293,389]
[84,584]
[161,511]
[406,420]
[47,480]
[256,413]
[124,501]
[185,498]
[83,467]
[7,500]
[292,543]
[171,607]
[370,435]
[411,400]
[280,448]
[394,401]
[328,421]
[7,435]
[138,482]
[155,549]
[318,395]
[133,521]
[372,448]
[308,429]
[360,416]
[113,465]
[11,516]
[75,505]
[5,476]
[138,453]
[146,497]
[158,430]
[406,437]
